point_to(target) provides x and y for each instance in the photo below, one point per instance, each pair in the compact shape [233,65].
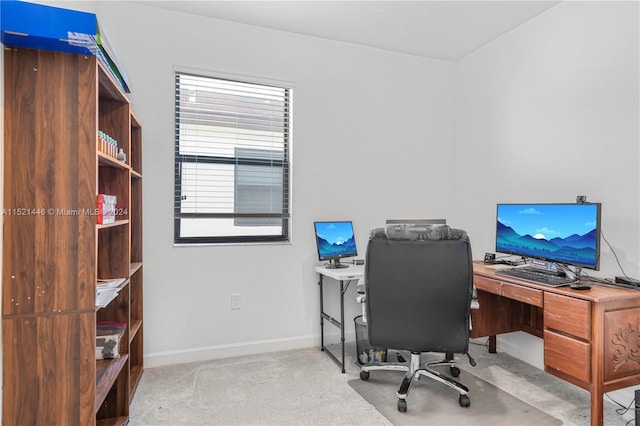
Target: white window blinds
[232,159]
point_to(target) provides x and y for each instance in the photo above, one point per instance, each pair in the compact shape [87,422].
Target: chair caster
[464,401]
[455,371]
[364,375]
[402,405]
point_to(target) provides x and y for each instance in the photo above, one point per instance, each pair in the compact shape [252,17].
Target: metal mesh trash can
[365,352]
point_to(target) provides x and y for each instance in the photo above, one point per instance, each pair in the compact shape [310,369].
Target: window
[232,161]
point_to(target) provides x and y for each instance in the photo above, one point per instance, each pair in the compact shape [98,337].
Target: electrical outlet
[235,301]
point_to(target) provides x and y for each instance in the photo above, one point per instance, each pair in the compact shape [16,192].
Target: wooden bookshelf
[54,251]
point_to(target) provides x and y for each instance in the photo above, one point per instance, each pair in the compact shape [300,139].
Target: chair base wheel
[464,401]
[455,371]
[364,375]
[402,405]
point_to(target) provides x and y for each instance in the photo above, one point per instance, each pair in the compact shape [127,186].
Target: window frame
[284,163]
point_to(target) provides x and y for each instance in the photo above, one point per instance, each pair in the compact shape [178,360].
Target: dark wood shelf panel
[61,163]
[108,88]
[134,267]
[136,375]
[134,121]
[117,421]
[135,154]
[112,225]
[134,326]
[106,160]
[107,372]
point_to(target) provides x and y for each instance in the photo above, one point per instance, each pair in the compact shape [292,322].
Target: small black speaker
[489,257]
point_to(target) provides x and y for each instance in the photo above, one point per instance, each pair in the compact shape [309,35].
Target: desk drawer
[487,284]
[565,355]
[530,296]
[567,315]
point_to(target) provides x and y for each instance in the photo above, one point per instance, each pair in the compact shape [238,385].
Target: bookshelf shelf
[106,160]
[107,372]
[112,224]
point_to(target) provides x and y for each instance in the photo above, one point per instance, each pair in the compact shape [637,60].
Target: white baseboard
[205,353]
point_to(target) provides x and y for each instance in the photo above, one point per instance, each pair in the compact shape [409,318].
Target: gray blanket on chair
[409,231]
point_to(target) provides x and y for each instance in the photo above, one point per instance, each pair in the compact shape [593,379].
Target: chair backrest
[419,285]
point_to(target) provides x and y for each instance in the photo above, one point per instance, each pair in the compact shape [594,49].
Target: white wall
[547,112]
[550,111]
[372,139]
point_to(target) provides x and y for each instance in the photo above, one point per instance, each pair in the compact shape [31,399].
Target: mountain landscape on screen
[325,248]
[574,248]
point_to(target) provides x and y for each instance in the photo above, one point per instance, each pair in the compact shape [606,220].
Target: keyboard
[536,277]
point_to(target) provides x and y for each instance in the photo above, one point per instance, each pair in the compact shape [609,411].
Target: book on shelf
[107,290]
[110,283]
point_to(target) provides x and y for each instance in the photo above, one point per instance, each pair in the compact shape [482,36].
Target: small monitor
[560,233]
[334,241]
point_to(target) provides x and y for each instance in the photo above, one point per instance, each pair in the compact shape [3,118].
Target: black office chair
[419,284]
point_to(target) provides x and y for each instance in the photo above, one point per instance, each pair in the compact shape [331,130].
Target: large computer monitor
[335,240]
[567,234]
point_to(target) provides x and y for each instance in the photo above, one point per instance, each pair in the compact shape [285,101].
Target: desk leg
[597,407]
[342,290]
[321,312]
[340,324]
[493,344]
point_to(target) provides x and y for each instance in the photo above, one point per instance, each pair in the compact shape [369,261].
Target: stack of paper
[107,290]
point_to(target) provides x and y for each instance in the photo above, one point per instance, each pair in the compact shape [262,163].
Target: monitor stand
[335,264]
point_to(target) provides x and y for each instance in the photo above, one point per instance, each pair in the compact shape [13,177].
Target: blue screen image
[565,233]
[335,239]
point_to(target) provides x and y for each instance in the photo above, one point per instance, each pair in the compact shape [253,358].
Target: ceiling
[446,30]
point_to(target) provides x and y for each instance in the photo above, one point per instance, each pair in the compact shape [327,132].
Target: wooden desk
[591,337]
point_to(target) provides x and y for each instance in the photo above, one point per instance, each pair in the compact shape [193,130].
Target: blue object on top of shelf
[46,27]
[38,26]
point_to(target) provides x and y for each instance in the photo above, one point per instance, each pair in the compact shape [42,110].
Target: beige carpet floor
[305,387]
